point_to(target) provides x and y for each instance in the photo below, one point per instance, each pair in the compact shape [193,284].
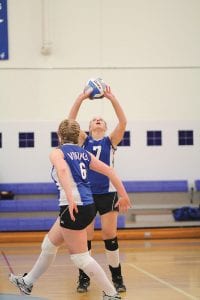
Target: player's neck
[97,134]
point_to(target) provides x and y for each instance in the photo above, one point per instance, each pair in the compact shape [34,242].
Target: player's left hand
[123,204]
[108,94]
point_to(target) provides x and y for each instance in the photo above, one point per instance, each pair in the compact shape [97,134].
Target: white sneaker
[18,281]
[115,297]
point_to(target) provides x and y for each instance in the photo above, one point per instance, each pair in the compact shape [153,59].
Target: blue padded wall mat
[131,186]
[197,184]
[26,224]
[42,223]
[156,186]
[29,205]
[30,188]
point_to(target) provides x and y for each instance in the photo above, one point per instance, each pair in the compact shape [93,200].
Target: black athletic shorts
[105,203]
[83,218]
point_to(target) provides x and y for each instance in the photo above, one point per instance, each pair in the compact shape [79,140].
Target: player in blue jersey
[70,173]
[105,195]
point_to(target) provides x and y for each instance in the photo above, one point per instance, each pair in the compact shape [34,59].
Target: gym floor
[153,269]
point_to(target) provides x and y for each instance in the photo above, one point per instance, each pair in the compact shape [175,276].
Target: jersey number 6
[83,170]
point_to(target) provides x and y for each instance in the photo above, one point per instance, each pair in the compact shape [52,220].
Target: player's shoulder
[107,138]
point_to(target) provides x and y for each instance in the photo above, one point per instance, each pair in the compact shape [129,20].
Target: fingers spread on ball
[95,88]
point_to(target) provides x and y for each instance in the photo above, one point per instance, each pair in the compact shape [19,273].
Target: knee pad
[48,247]
[111,244]
[81,260]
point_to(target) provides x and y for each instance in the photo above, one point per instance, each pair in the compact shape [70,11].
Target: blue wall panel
[3,30]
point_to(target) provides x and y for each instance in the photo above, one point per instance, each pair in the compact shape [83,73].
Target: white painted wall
[138,162]
[148,51]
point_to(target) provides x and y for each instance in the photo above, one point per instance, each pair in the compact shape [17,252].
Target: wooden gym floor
[153,269]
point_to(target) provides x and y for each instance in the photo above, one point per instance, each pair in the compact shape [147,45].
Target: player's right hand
[73,208]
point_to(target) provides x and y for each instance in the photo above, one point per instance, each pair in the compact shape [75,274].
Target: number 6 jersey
[78,161]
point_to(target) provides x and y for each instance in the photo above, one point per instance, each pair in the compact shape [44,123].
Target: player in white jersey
[105,195]
[77,210]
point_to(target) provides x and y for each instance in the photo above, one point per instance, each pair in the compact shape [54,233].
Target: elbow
[123,123]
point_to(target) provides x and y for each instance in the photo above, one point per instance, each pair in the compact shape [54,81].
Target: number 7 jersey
[104,151]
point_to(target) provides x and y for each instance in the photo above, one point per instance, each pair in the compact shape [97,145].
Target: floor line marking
[7,262]
[163,282]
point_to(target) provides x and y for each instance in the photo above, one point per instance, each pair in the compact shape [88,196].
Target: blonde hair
[68,131]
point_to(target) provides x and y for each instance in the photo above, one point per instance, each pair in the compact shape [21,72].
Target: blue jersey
[103,150]
[78,161]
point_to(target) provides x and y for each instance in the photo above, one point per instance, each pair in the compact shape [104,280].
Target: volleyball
[97,87]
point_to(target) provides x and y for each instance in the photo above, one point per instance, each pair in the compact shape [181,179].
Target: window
[154,138]
[0,140]
[185,137]
[126,139]
[54,139]
[26,139]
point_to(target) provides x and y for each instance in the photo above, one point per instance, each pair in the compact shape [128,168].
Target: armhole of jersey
[86,140]
[61,149]
[90,158]
[114,148]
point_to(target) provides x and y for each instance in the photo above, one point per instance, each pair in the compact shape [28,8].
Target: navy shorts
[83,218]
[105,203]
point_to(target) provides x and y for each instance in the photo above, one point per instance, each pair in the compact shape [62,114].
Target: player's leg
[49,247]
[76,241]
[84,279]
[109,235]
[75,236]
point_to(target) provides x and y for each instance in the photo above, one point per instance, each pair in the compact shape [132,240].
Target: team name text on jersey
[77,155]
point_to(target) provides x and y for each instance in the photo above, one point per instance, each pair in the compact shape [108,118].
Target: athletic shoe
[83,282]
[115,297]
[18,281]
[117,279]
[118,284]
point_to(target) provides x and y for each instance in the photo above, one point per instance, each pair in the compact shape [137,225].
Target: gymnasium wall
[148,51]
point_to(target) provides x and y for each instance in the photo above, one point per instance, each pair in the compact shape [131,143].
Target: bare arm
[63,173]
[76,106]
[98,166]
[117,134]
[74,112]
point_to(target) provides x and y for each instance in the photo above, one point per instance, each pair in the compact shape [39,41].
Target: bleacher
[35,205]
[154,202]
[34,208]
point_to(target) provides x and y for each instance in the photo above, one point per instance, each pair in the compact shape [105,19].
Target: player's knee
[111,244]
[81,260]
[108,232]
[48,247]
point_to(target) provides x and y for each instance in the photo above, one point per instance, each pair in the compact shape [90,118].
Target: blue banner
[3,30]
